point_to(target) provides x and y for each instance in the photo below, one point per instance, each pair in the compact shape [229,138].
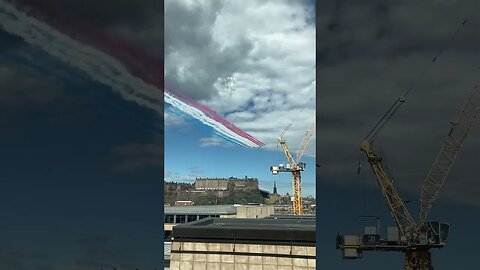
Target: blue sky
[68,198]
[271,61]
[185,159]
[338,208]
[370,53]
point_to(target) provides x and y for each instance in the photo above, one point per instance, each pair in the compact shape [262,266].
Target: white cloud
[214,141]
[373,54]
[171,120]
[190,176]
[268,47]
[131,157]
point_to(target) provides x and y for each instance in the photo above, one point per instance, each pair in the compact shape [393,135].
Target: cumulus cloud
[136,21]
[193,172]
[214,141]
[171,120]
[25,87]
[370,54]
[136,156]
[271,61]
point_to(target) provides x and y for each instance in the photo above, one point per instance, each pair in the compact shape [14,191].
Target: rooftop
[278,231]
[228,209]
[223,178]
[201,209]
[309,217]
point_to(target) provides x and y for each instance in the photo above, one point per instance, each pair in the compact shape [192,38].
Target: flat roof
[309,217]
[206,209]
[248,230]
[200,210]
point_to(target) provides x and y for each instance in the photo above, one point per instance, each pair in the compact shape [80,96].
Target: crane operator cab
[434,234]
[302,165]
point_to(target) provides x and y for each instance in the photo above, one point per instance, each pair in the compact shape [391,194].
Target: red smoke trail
[213,115]
[138,62]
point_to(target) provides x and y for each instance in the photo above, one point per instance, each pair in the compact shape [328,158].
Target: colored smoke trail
[208,117]
[113,62]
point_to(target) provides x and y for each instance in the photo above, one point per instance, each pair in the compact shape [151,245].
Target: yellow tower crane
[413,237]
[295,167]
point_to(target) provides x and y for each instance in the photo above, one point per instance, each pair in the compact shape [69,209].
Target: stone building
[226,183]
[243,244]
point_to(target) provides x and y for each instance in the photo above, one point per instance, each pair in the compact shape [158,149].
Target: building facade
[226,183]
[184,203]
[175,215]
[213,243]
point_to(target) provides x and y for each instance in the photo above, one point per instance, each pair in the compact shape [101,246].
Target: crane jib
[448,153]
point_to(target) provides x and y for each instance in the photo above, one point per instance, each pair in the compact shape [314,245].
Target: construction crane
[295,167]
[413,237]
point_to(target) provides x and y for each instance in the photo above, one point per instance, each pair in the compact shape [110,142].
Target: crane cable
[400,100]
[361,174]
[312,95]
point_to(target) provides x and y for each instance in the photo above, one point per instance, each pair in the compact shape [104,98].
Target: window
[191,218]
[180,219]
[203,216]
[169,219]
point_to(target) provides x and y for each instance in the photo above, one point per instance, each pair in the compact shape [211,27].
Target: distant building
[214,243]
[175,215]
[184,203]
[275,188]
[222,184]
[174,186]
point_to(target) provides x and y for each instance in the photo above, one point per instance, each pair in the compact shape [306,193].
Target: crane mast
[416,237]
[399,212]
[295,167]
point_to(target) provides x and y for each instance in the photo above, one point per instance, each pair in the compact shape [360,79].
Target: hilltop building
[173,186]
[222,184]
[184,203]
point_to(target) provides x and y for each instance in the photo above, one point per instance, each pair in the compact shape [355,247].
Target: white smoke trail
[97,64]
[199,115]
[102,67]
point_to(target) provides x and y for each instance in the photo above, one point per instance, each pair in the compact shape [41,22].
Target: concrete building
[222,184]
[244,244]
[184,203]
[182,214]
